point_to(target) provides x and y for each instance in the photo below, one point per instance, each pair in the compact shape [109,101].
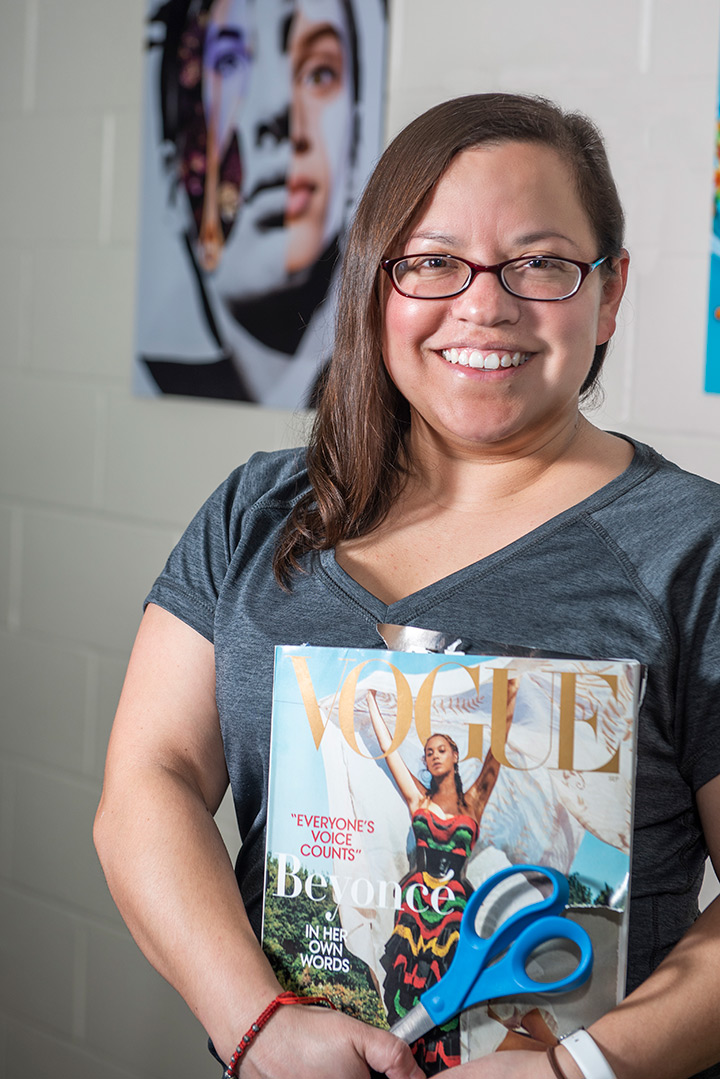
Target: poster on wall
[262,121]
[712,360]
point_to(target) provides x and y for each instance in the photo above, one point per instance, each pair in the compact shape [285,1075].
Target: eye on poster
[262,121]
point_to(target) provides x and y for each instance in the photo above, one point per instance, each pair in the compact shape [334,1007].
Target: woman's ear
[613,289]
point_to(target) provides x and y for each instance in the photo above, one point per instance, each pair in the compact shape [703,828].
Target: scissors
[480,971]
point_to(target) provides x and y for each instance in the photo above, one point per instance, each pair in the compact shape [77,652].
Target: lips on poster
[263,119]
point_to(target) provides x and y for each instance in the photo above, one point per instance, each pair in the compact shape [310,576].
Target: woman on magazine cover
[445,822]
[451,482]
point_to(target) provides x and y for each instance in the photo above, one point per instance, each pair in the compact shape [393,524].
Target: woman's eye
[321,74]
[539,264]
[433,264]
[226,52]
[225,65]
[544,264]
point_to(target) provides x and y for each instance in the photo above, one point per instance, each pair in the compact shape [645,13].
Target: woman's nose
[486,301]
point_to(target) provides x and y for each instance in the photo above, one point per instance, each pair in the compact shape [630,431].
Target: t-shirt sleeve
[698,703]
[190,583]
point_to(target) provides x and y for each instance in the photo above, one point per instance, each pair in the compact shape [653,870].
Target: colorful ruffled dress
[423,941]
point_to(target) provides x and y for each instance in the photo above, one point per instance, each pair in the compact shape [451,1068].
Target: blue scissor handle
[509,976]
[470,979]
[510,929]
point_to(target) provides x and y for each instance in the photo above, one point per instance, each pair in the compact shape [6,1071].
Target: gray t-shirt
[631,572]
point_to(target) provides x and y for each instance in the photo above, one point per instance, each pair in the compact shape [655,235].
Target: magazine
[367,876]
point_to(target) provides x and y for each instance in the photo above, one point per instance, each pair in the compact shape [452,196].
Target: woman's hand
[303,1042]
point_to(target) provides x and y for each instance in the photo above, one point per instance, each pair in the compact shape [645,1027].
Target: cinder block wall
[95,485]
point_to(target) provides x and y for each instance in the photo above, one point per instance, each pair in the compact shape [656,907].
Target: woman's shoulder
[663,524]
[245,511]
[278,475]
[268,482]
[663,492]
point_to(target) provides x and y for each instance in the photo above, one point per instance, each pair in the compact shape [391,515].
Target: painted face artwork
[269,121]
[321,129]
[226,68]
[225,75]
[277,76]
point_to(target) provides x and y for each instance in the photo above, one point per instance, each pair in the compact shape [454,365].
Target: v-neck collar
[402,612]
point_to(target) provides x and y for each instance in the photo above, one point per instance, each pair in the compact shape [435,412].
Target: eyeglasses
[534,277]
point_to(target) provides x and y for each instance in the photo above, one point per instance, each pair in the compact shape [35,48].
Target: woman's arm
[669,1027]
[172,880]
[478,794]
[411,788]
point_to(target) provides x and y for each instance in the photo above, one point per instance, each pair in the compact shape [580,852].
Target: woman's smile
[485,360]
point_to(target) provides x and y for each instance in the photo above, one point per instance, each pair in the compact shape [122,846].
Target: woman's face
[496,203]
[440,757]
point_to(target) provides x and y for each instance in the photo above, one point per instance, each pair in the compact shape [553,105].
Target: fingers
[386,1054]
[326,1045]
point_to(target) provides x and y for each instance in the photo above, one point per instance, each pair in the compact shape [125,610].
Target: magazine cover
[400,782]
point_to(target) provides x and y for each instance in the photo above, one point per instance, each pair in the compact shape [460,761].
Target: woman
[452,483]
[445,823]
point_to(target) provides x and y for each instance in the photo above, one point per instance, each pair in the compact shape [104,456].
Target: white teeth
[473,357]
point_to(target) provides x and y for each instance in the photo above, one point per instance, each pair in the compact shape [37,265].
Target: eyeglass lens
[437,276]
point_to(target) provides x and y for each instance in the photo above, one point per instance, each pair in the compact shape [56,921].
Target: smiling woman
[483,371]
[445,355]
[452,482]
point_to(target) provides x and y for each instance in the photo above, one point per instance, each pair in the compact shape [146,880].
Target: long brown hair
[355,460]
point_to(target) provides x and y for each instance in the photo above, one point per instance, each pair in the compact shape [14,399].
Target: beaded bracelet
[282,998]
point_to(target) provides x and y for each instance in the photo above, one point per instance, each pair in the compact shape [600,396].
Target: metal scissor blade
[413,1025]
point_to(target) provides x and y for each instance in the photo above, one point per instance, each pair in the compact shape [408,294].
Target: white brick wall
[95,485]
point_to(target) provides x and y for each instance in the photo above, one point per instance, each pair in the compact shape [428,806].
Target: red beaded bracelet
[282,998]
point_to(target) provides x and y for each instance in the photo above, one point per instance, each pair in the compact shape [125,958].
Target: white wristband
[587,1055]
